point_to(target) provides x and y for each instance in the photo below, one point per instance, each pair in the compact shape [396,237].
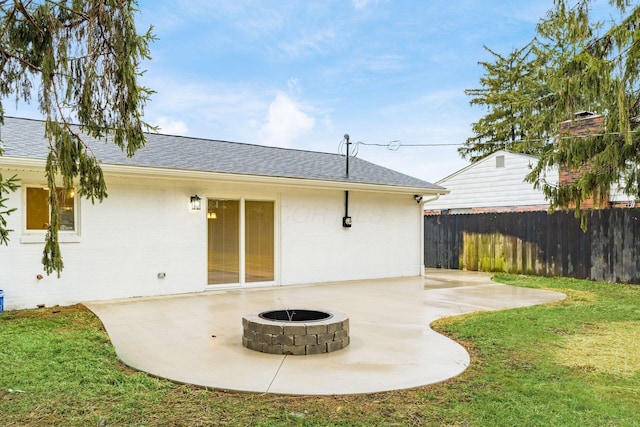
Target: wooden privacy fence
[538,243]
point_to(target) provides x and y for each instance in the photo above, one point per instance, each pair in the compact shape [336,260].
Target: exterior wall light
[195,203]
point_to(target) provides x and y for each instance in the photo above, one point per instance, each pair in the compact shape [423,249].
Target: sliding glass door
[258,248]
[240,241]
[223,221]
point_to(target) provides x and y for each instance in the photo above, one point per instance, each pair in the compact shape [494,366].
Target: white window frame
[38,236]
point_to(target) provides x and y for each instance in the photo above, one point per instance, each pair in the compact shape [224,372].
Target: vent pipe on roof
[346,137]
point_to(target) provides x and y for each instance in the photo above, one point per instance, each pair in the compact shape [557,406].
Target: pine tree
[599,71]
[512,92]
[6,186]
[84,57]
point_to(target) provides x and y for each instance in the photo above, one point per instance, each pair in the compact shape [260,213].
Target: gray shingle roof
[24,138]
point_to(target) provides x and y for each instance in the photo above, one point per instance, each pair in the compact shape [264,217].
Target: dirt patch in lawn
[612,348]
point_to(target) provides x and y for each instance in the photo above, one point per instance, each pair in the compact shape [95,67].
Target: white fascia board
[34,165]
[20,164]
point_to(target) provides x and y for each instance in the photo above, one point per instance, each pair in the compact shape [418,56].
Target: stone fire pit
[295,331]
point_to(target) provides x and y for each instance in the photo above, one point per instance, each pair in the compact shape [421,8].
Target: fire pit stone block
[296,337]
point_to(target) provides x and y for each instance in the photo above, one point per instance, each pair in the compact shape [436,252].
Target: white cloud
[207,109]
[303,74]
[310,43]
[286,121]
[169,126]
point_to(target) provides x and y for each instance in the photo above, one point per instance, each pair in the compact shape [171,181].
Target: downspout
[422,203]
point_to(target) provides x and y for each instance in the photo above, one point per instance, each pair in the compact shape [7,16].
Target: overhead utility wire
[396,144]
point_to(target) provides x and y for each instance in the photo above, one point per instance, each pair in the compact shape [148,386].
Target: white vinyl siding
[486,184]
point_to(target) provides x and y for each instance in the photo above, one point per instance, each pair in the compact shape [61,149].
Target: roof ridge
[199,138]
[24,138]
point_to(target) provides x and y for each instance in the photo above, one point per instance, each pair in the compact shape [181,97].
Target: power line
[395,145]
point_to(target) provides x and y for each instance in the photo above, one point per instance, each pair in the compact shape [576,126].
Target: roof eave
[154,172]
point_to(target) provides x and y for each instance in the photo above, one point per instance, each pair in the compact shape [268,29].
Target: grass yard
[572,363]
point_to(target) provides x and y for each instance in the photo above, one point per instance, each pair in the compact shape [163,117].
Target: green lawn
[572,363]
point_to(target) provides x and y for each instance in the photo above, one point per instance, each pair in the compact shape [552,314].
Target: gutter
[37,165]
[433,199]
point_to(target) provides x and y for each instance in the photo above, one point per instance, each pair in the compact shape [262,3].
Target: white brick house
[268,217]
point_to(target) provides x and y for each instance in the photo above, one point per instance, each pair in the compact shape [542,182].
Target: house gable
[493,183]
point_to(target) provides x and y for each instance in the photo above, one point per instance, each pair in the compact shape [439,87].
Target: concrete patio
[197,338]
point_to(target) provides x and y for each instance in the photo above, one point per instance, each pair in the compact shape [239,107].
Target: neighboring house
[268,216]
[493,184]
[497,182]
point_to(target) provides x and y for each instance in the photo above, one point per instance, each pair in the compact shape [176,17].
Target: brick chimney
[585,123]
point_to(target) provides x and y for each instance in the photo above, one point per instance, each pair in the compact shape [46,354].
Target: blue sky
[302,73]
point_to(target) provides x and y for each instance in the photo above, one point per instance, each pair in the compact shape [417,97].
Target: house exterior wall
[381,243]
[618,199]
[485,187]
[583,125]
[145,227]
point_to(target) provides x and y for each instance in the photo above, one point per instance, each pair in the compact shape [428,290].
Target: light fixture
[195,203]
[346,221]
[212,215]
[417,198]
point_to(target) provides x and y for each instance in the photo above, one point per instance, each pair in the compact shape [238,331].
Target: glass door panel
[223,221]
[259,241]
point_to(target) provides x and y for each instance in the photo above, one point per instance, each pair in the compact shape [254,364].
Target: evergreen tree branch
[576,63]
[7,186]
[8,55]
[96,87]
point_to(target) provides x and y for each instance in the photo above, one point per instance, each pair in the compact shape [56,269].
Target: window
[38,209]
[499,161]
